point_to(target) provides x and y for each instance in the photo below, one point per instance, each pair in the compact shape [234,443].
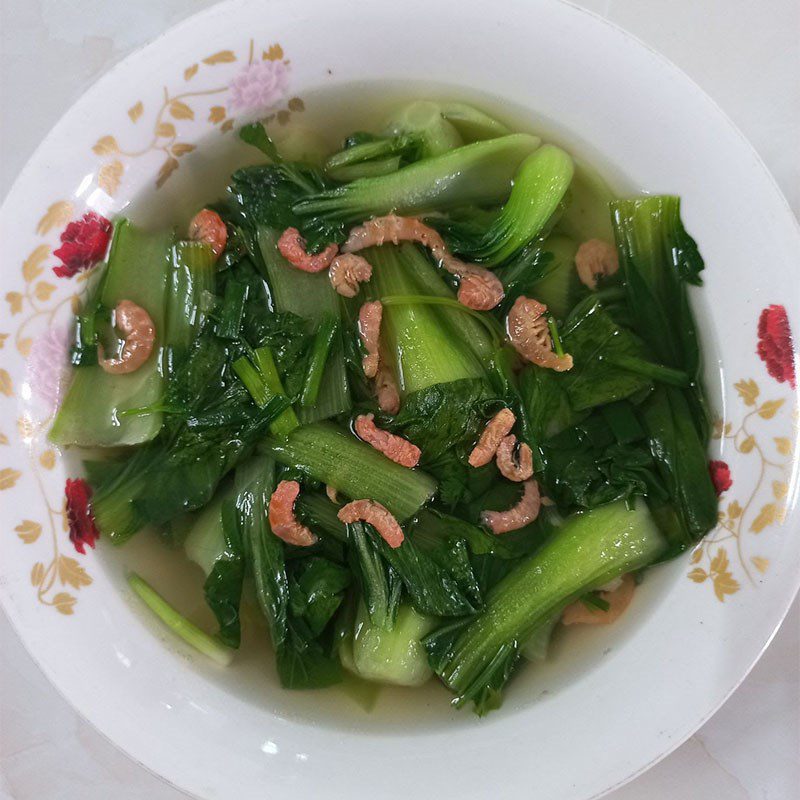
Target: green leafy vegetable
[137,270]
[683,465]
[215,544]
[302,661]
[333,456]
[475,661]
[539,187]
[476,173]
[598,345]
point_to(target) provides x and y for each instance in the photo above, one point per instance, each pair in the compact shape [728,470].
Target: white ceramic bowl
[611,702]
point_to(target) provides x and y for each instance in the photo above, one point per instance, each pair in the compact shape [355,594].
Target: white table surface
[745,54]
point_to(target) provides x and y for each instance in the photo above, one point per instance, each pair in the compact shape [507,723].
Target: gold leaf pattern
[32,266]
[725,583]
[296,104]
[25,428]
[3,438]
[165,130]
[780,489]
[135,111]
[71,573]
[3,337]
[167,168]
[216,114]
[181,148]
[6,387]
[748,391]
[56,216]
[226,126]
[783,445]
[24,346]
[14,300]
[28,530]
[48,459]
[697,555]
[64,603]
[37,574]
[180,110]
[106,146]
[720,561]
[747,444]
[734,510]
[109,177]
[766,517]
[9,477]
[698,575]
[190,72]
[769,409]
[222,57]
[43,291]
[760,563]
[275,53]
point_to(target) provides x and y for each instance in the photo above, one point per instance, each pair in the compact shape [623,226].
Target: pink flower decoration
[82,527]
[775,344]
[258,86]
[83,243]
[47,364]
[720,476]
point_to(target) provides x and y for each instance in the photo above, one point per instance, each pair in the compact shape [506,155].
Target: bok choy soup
[400,402]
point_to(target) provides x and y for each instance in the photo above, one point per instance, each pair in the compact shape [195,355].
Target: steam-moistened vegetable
[419,444]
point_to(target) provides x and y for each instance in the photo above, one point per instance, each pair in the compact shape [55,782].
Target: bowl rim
[119,67]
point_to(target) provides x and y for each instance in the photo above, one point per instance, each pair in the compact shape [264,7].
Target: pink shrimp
[479,290]
[618,600]
[498,427]
[595,259]
[518,516]
[530,335]
[386,389]
[140,336]
[347,272]
[282,519]
[396,448]
[376,515]
[292,247]
[207,227]
[369,329]
[517,467]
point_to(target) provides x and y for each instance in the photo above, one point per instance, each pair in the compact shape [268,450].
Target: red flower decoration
[83,244]
[82,530]
[720,476]
[775,344]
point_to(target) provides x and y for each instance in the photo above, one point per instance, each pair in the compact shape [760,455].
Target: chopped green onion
[320,350]
[178,624]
